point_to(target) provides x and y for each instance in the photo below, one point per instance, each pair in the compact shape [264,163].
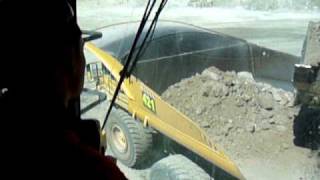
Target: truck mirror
[90,35]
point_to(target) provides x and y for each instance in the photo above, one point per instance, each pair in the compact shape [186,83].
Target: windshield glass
[228,67]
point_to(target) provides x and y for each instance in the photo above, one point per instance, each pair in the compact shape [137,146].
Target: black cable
[144,48]
[151,28]
[142,24]
[123,73]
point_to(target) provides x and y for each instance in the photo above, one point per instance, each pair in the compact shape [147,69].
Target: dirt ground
[251,121]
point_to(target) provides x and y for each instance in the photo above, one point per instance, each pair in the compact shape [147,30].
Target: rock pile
[251,121]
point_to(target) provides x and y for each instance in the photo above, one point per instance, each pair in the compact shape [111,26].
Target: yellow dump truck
[140,110]
[145,131]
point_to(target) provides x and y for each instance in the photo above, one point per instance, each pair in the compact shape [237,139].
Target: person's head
[45,48]
[70,70]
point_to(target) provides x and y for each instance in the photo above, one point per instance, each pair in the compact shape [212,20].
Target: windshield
[228,67]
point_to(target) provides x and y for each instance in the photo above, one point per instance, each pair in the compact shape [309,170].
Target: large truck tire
[306,128]
[177,167]
[128,140]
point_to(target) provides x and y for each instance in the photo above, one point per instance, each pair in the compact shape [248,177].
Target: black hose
[124,73]
[151,29]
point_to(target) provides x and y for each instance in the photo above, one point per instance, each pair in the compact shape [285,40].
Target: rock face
[250,120]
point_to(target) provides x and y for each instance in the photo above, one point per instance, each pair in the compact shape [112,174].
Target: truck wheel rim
[119,139]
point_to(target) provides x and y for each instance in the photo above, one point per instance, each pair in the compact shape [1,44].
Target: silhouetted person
[41,76]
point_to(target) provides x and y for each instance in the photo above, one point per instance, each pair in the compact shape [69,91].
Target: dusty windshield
[228,67]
